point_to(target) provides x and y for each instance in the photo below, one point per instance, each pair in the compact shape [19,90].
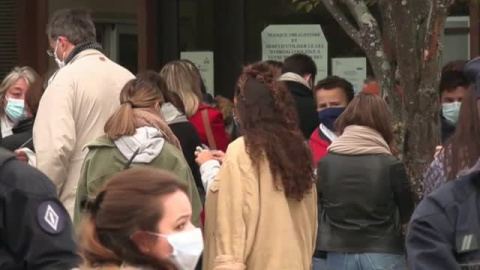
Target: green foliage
[307,5]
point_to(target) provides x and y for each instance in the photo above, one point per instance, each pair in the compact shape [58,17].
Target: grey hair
[26,73]
[74,24]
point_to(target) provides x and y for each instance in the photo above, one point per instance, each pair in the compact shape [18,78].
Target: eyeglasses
[51,52]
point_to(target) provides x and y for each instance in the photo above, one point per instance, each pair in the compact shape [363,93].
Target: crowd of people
[103,169]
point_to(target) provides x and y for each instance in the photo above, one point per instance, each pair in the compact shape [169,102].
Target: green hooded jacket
[104,159]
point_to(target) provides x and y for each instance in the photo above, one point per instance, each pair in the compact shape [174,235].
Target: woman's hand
[438,149]
[204,156]
[219,156]
[21,155]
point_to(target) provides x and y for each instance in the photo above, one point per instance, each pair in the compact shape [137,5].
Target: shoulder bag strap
[208,130]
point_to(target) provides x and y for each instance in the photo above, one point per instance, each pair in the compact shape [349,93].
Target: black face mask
[329,116]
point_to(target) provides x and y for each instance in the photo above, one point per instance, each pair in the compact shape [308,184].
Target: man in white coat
[79,99]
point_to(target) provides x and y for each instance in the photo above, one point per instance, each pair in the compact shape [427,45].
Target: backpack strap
[208,130]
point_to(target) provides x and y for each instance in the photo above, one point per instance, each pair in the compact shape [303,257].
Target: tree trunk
[418,56]
[417,27]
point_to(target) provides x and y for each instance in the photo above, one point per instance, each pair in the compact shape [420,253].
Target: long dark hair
[127,204]
[462,150]
[270,126]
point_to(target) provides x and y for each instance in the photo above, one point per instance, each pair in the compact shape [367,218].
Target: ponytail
[121,123]
[137,93]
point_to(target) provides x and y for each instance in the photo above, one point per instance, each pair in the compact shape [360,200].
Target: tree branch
[351,30]
[385,7]
[361,13]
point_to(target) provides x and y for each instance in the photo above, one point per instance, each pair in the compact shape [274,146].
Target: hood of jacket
[172,115]
[148,141]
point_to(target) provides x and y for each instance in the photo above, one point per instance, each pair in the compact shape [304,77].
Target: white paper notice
[281,41]
[353,70]
[204,63]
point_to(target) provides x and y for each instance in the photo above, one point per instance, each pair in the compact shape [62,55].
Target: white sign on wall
[352,69]
[281,41]
[204,63]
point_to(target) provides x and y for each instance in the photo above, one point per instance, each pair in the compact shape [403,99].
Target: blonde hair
[26,73]
[183,78]
[135,94]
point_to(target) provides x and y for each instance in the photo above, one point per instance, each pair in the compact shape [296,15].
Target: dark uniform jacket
[445,229]
[35,229]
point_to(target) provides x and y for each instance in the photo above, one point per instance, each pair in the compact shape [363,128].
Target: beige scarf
[146,117]
[293,77]
[359,140]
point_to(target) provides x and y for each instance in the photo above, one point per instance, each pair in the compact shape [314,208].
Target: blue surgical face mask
[15,109]
[451,112]
[329,116]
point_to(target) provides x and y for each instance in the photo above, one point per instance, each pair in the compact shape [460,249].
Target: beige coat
[250,224]
[73,111]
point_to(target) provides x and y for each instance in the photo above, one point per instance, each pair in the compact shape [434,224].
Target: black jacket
[445,228]
[306,108]
[189,140]
[35,229]
[21,137]
[364,200]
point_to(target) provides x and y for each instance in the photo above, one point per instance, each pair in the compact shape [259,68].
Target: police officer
[35,229]
[444,232]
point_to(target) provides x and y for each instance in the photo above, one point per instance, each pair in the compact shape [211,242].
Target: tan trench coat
[251,224]
[72,112]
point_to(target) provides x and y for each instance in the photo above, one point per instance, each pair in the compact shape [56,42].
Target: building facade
[146,34]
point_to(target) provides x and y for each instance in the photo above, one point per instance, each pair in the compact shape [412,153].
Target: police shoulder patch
[51,217]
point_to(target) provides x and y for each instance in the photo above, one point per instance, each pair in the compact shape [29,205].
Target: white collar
[330,134]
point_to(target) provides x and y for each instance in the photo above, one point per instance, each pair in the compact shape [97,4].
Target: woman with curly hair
[261,206]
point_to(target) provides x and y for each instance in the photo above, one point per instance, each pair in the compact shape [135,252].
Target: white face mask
[187,247]
[60,63]
[451,112]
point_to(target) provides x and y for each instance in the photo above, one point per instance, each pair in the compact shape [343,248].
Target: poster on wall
[281,41]
[352,69]
[204,63]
